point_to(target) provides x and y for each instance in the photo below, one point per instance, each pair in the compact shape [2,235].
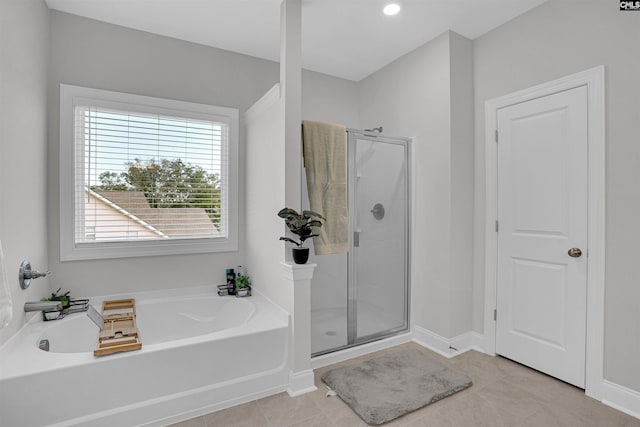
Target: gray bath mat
[386,387]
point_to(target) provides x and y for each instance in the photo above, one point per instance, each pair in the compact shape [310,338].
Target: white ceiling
[344,38]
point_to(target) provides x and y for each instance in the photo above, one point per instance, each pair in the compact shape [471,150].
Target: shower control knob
[378,211]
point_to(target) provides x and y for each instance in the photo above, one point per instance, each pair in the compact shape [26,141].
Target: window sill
[113,250]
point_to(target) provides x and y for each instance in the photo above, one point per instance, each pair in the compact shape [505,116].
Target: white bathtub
[200,353]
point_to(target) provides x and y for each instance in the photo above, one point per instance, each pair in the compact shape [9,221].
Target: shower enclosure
[363,296]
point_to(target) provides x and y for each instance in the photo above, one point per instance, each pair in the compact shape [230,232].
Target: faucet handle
[34,274]
[25,274]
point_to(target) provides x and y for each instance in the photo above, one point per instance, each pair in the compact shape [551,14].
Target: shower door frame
[352,313]
[352,289]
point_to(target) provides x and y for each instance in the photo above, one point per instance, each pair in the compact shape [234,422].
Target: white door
[542,213]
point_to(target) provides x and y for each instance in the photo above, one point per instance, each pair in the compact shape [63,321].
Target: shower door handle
[378,211]
[356,239]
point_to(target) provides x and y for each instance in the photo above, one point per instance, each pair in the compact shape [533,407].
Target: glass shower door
[379,216]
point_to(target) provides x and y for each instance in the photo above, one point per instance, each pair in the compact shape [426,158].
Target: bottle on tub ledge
[240,271]
[231,282]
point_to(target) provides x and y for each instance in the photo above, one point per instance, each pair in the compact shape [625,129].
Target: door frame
[594,80]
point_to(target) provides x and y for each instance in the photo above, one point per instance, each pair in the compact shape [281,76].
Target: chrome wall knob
[25,274]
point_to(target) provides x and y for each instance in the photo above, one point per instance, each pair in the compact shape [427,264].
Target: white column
[297,276]
[291,90]
[298,281]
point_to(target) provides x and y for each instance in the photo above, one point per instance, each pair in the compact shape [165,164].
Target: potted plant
[243,286]
[64,298]
[300,225]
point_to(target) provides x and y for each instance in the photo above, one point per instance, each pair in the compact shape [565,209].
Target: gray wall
[461,176]
[329,99]
[556,39]
[24,59]
[99,55]
[91,53]
[415,97]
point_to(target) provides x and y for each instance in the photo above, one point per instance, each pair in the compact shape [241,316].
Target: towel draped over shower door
[325,162]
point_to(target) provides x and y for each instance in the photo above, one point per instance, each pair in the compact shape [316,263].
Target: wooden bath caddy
[119,330]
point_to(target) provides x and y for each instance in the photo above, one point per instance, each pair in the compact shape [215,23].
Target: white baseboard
[301,383]
[621,398]
[448,347]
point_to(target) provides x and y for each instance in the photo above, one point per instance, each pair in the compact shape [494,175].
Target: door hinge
[497,226]
[495,315]
[496,135]
[356,239]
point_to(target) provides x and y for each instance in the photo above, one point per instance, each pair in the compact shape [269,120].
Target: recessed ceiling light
[391,9]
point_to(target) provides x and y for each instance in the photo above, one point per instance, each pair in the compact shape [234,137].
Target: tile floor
[504,393]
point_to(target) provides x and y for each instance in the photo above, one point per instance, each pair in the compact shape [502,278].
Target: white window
[145,176]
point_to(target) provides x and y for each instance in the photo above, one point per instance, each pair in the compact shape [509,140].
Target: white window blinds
[142,176]
[146,170]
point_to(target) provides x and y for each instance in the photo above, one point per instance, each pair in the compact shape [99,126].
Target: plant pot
[244,292]
[300,255]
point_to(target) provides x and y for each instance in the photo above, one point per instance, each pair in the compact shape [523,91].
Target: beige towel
[325,161]
[6,311]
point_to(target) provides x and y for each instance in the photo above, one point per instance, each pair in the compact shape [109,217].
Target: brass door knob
[574,252]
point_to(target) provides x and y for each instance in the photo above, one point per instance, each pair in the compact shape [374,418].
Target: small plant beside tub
[302,226]
[243,286]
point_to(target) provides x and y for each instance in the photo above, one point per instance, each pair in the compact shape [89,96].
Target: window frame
[72,96]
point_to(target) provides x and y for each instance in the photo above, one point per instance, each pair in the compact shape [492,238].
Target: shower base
[329,326]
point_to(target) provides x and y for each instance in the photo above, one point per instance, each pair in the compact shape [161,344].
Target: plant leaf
[287,212]
[287,239]
[310,214]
